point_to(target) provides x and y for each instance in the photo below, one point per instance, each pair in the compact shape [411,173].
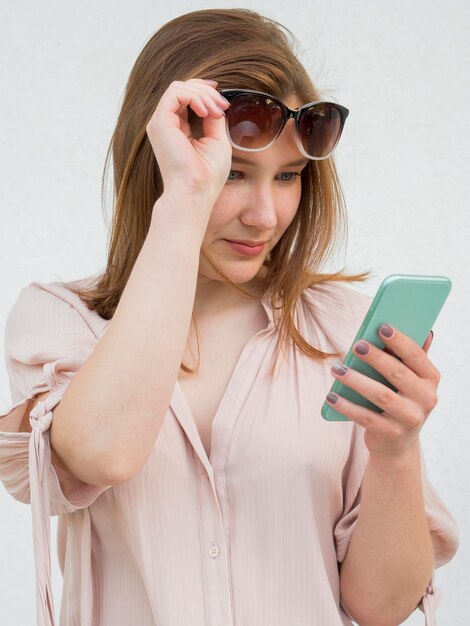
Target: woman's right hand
[188,164]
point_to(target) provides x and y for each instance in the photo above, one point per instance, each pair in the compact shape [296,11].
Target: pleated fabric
[252,535]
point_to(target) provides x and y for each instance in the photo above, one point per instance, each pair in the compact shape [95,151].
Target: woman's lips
[244,249]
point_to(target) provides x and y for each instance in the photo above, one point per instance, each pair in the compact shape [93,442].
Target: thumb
[215,128]
[428,342]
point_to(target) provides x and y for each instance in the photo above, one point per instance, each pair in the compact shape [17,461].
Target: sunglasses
[255,119]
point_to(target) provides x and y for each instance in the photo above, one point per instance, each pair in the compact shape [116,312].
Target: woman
[216,494]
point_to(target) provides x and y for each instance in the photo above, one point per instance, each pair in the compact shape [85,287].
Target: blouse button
[214,550]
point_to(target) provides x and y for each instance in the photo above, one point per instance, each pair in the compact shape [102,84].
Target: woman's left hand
[416,379]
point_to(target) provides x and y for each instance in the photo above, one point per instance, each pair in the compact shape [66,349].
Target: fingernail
[432,334]
[361,348]
[387,331]
[332,397]
[224,99]
[339,369]
[209,80]
[221,110]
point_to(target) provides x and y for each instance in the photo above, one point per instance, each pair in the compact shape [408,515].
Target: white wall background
[402,69]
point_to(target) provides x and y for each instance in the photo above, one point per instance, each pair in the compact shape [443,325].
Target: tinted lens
[320,129]
[253,120]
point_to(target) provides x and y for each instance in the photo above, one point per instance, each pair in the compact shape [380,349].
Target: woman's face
[259,201]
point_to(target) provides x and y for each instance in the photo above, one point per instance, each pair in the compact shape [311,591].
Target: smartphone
[410,303]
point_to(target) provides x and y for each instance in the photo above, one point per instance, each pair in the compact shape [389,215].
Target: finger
[209,107]
[428,342]
[392,369]
[181,95]
[212,99]
[374,422]
[410,353]
[401,408]
[399,374]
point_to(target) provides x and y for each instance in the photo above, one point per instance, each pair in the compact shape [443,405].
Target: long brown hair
[236,47]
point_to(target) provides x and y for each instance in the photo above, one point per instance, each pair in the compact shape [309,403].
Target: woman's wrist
[404,462]
[183,212]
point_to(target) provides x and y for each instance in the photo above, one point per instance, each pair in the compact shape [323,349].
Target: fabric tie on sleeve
[39,461]
[430,602]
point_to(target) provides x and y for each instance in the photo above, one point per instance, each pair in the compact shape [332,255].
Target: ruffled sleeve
[445,539]
[46,343]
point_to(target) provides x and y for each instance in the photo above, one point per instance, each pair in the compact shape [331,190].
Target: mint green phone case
[410,303]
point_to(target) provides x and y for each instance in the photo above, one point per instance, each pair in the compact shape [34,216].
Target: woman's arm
[103,433]
[390,559]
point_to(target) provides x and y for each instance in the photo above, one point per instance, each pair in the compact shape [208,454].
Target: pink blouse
[251,536]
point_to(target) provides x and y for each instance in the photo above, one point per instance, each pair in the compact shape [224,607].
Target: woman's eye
[291,176]
[232,172]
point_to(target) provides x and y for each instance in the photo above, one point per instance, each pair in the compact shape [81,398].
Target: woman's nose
[262,210]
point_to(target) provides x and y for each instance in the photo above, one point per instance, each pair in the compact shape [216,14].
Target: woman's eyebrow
[237,159]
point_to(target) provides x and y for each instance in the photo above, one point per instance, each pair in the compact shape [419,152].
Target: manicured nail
[361,348]
[387,331]
[209,80]
[432,334]
[339,369]
[332,397]
[221,110]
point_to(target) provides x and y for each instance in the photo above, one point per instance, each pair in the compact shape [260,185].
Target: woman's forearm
[390,559]
[105,432]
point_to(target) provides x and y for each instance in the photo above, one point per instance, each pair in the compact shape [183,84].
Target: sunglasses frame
[287,113]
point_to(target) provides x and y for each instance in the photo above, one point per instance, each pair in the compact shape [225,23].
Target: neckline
[233,391]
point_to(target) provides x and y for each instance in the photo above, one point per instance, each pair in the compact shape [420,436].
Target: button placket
[214,554]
